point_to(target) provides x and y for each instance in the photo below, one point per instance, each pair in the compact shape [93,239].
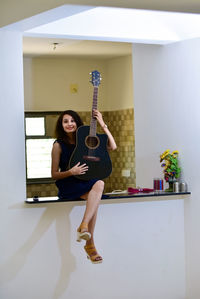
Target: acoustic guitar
[91,148]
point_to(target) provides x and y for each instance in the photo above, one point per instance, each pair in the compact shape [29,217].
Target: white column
[167,109]
[12,149]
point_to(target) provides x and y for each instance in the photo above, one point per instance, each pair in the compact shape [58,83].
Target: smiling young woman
[69,186]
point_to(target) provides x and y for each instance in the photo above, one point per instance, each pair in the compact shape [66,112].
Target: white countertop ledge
[116,198]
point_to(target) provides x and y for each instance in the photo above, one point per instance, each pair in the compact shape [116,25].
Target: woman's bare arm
[111,141]
[58,175]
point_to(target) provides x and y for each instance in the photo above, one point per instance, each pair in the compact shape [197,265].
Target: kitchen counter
[122,197]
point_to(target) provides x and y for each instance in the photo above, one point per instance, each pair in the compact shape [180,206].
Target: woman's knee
[99,185]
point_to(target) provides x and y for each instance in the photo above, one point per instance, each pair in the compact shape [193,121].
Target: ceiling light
[55,46]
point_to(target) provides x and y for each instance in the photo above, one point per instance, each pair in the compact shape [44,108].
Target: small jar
[176,187]
[183,187]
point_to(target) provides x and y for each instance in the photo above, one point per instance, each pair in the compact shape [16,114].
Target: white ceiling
[44,47]
[107,32]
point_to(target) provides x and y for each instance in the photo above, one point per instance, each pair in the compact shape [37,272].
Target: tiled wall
[121,125]
[41,190]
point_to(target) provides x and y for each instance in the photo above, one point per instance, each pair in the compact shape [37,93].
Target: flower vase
[171,182]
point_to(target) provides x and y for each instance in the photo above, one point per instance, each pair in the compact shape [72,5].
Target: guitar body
[91,150]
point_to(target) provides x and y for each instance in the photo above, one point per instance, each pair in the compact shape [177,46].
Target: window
[35,126]
[39,133]
[38,152]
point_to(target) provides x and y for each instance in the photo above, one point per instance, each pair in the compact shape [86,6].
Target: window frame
[45,136]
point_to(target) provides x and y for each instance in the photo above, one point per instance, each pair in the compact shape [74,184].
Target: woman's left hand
[111,142]
[99,117]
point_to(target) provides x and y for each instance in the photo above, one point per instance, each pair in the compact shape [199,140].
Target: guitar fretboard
[93,122]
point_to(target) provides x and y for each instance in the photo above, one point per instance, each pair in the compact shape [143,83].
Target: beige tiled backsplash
[121,125]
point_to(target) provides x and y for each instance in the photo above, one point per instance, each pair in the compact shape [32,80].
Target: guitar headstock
[95,78]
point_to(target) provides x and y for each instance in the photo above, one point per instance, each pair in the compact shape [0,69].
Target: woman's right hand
[79,169]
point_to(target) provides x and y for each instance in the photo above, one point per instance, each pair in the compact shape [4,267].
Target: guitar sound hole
[92,142]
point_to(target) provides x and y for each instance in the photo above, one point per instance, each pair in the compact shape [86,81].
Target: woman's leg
[89,247]
[91,228]
[93,198]
[90,216]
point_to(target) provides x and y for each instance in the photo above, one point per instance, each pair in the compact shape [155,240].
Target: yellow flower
[175,153]
[167,162]
[164,155]
[166,152]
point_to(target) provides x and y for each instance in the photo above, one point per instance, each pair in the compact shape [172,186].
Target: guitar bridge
[91,158]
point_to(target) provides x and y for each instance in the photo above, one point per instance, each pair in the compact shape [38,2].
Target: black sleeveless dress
[71,187]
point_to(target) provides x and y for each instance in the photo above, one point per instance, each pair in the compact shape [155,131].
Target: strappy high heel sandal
[83,235]
[92,254]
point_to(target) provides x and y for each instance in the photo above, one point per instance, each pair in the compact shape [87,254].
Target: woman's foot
[83,233]
[92,254]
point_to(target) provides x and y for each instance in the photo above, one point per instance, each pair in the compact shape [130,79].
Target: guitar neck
[93,122]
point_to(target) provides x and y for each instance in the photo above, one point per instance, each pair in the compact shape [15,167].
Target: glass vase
[171,181]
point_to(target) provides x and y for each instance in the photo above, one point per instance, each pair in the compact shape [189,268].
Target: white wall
[51,80]
[39,256]
[12,149]
[166,85]
[142,252]
[12,157]
[119,87]
[14,11]
[29,102]
[47,83]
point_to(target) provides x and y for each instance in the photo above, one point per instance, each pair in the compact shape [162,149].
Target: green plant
[170,165]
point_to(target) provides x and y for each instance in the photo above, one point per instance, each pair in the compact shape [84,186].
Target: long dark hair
[59,131]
